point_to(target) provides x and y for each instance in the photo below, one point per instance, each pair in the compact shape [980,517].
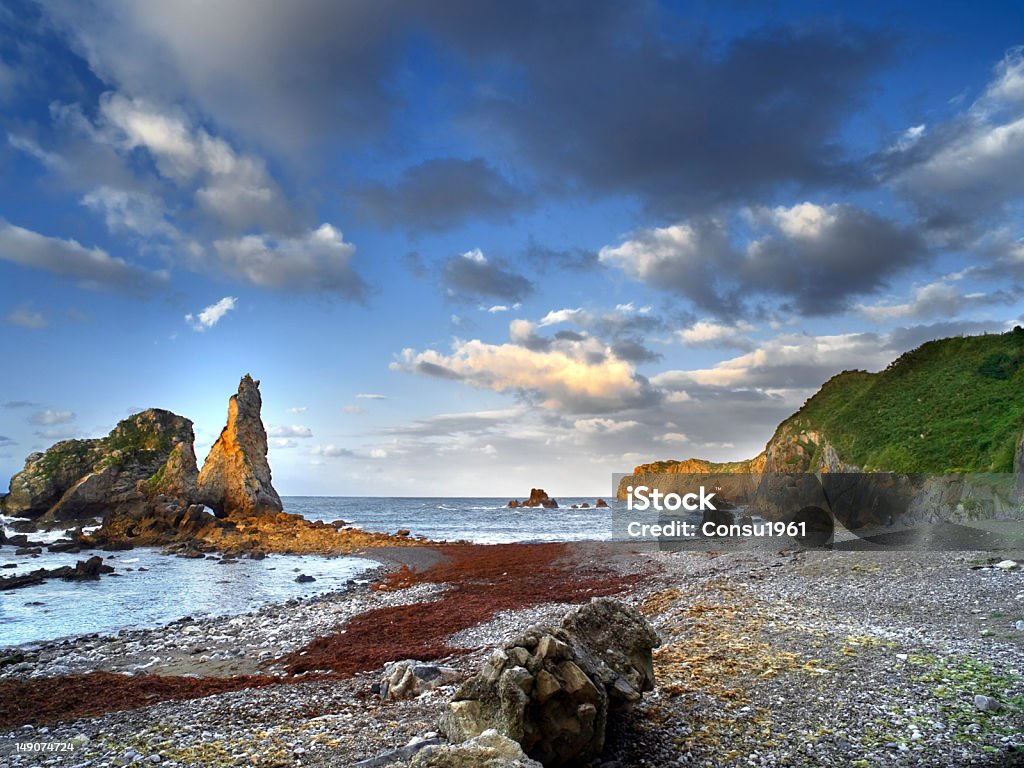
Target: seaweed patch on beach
[483,580]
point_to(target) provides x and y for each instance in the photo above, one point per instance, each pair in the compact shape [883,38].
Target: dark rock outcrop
[235,479]
[538,498]
[77,479]
[552,689]
[84,570]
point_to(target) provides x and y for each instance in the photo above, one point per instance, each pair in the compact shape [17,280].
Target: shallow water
[153,589]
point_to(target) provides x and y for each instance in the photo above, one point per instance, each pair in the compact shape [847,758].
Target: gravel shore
[768,659]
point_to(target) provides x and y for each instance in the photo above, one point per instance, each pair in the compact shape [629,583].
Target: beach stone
[409,678]
[489,749]
[556,705]
[987,703]
[1006,565]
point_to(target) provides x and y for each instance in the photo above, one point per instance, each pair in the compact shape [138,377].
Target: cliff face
[146,454]
[235,479]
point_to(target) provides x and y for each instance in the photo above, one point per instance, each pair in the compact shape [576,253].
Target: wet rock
[601,504]
[302,578]
[538,498]
[551,689]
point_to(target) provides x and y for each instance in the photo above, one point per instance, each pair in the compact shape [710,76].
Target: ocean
[154,589]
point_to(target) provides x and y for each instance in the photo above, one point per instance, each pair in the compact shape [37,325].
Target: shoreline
[811,647]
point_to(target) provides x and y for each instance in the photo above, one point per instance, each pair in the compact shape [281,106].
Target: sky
[474,247]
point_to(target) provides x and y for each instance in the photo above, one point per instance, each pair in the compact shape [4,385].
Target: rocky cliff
[147,454]
[950,407]
[235,479]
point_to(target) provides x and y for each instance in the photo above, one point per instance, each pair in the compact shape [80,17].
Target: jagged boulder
[86,478]
[409,678]
[235,478]
[551,689]
[488,750]
[538,498]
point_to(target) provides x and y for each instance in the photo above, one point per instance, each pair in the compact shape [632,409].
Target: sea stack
[235,479]
[145,455]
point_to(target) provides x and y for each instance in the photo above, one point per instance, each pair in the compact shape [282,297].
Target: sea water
[153,589]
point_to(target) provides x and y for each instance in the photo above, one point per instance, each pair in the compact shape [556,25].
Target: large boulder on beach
[490,749]
[235,479]
[76,479]
[552,688]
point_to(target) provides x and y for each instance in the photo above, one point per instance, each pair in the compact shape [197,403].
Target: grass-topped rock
[148,453]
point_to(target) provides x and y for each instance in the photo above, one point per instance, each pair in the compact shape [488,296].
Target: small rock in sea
[986,703]
[1019,626]
[302,578]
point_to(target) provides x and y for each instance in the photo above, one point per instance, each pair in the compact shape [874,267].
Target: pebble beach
[768,658]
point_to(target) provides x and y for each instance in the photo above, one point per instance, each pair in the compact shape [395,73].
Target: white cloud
[371,396]
[57,433]
[678,257]
[331,451]
[938,299]
[497,308]
[24,144]
[785,362]
[282,443]
[571,375]
[212,315]
[50,417]
[319,261]
[296,409]
[24,316]
[352,410]
[233,188]
[805,220]
[129,211]
[707,333]
[290,430]
[93,268]
[973,166]
[673,437]
[378,453]
[557,316]
[603,426]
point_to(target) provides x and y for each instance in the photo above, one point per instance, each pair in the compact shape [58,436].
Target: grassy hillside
[949,405]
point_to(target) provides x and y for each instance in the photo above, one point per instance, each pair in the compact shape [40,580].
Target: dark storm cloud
[819,269]
[441,193]
[473,276]
[681,125]
[633,351]
[682,120]
[813,259]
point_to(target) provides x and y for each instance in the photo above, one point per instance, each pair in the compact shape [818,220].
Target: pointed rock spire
[235,479]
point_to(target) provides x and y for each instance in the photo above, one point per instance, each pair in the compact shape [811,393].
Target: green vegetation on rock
[950,405]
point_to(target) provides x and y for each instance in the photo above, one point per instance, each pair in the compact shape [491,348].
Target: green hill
[950,405]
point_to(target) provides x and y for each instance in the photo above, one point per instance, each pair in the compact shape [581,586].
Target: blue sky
[474,247]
